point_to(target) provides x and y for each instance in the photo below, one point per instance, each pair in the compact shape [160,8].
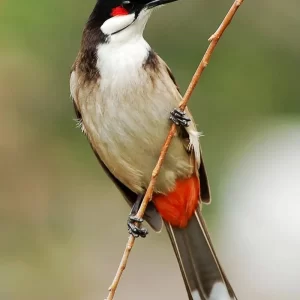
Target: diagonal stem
[214,39]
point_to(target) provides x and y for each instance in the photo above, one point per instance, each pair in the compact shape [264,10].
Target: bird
[125,99]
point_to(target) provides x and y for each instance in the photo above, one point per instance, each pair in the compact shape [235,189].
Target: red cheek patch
[119,11]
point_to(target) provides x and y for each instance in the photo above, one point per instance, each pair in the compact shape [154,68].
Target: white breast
[120,65]
[127,118]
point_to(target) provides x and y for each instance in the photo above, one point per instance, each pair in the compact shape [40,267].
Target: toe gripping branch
[133,223]
[179,117]
[135,230]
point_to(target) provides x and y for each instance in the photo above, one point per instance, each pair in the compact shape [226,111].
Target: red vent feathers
[119,11]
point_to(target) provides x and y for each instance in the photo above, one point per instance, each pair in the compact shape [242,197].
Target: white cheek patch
[117,23]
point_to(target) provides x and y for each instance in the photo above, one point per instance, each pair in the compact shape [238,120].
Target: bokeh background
[62,222]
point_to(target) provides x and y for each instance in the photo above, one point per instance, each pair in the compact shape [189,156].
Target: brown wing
[151,214]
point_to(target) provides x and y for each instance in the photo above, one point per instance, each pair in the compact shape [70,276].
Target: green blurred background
[63,224]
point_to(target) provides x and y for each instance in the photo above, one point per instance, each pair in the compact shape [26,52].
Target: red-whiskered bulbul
[124,96]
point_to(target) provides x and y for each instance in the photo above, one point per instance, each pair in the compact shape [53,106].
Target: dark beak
[155,3]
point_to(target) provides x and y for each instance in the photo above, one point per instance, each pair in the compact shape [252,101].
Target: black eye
[128,5]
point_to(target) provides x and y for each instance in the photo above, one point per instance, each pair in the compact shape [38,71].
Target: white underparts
[126,112]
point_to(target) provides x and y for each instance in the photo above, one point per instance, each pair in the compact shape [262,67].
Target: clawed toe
[178,117]
[134,230]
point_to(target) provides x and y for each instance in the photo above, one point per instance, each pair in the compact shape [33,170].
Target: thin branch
[214,39]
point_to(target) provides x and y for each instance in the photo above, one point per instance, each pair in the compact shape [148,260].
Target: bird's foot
[135,230]
[179,118]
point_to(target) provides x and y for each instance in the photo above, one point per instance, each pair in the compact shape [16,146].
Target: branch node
[238,2]
[214,37]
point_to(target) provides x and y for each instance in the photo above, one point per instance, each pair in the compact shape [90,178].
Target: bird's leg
[178,117]
[133,229]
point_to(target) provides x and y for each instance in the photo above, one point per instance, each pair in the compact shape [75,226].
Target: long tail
[202,273]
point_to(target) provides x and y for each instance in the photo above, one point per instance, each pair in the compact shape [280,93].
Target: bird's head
[123,19]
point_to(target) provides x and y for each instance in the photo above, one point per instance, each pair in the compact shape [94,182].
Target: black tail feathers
[202,273]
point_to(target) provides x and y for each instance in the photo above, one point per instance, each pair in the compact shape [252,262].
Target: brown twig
[214,39]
